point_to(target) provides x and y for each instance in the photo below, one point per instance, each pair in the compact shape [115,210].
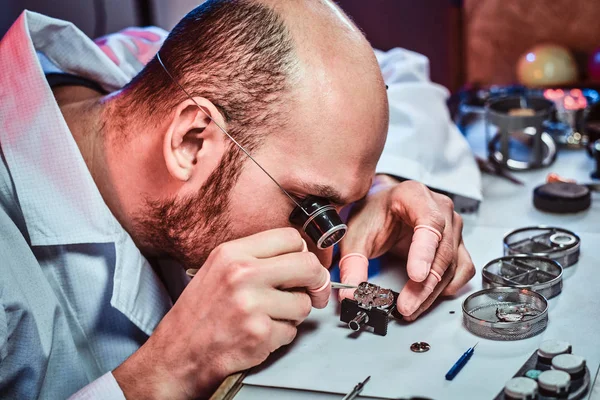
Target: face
[328,147]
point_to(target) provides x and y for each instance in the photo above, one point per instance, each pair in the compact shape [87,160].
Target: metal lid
[554,381]
[521,388]
[569,363]
[498,111]
[552,348]
[557,244]
[504,313]
[539,274]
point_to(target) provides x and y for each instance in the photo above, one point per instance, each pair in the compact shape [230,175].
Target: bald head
[251,57]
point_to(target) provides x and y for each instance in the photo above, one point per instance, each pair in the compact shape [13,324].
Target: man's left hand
[437,261]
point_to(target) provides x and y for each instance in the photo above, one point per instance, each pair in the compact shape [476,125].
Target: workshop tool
[491,168]
[536,367]
[337,285]
[372,306]
[509,127]
[505,313]
[334,285]
[357,389]
[462,361]
[539,274]
[544,241]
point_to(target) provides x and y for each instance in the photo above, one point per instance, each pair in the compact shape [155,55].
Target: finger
[446,249]
[282,334]
[419,207]
[414,294]
[269,243]
[415,299]
[422,252]
[287,305]
[434,295]
[465,271]
[298,270]
[354,269]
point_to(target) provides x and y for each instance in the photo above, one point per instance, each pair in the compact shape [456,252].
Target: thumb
[354,269]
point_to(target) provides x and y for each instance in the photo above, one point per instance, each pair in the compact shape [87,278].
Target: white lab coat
[423,143]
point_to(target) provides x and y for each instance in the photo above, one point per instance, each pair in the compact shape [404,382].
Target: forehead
[334,139]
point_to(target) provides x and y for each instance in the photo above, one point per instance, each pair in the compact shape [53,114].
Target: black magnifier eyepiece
[320,221]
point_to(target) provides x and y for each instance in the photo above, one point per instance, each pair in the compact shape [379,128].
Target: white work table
[327,359]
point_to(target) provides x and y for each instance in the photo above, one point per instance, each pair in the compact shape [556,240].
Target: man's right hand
[244,303]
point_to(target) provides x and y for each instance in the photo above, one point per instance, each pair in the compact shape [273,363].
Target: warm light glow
[575,100]
[554,94]
[571,100]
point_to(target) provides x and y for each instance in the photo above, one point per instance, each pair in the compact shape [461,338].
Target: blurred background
[467,41]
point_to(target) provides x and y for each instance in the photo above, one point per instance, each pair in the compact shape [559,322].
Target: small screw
[420,347]
[451,312]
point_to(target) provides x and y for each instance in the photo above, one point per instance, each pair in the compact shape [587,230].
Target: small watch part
[514,313]
[521,389]
[370,295]
[420,347]
[562,239]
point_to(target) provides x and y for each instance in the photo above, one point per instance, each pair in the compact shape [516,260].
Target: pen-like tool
[337,285]
[357,389]
[460,363]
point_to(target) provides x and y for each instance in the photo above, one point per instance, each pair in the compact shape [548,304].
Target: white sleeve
[423,144]
[103,388]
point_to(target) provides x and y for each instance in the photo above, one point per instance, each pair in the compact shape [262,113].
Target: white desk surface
[326,360]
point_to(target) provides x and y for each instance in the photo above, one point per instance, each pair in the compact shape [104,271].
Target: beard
[188,229]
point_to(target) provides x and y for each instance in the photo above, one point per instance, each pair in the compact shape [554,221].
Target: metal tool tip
[476,344]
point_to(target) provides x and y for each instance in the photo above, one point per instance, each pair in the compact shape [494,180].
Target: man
[90,181]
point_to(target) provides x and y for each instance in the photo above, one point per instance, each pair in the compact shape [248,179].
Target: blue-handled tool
[460,363]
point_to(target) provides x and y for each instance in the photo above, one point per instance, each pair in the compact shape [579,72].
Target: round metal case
[557,244]
[538,274]
[505,313]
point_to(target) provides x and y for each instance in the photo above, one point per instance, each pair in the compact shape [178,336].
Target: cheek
[257,205]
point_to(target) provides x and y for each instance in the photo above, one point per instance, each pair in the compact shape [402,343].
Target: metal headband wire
[227,134]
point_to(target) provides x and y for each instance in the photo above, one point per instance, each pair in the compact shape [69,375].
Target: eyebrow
[325,191]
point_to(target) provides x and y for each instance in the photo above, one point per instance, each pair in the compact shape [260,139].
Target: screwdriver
[460,363]
[357,389]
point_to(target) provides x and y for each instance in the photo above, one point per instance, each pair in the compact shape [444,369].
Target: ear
[193,145]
